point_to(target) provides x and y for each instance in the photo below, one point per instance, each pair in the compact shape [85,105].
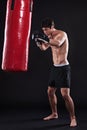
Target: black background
[29,89]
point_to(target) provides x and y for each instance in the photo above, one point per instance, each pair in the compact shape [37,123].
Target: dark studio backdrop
[29,89]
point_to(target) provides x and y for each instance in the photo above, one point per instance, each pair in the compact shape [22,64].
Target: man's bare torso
[59,54]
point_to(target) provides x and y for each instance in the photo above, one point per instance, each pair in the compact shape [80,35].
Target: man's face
[46,30]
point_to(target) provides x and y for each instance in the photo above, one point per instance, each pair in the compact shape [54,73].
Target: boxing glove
[40,37]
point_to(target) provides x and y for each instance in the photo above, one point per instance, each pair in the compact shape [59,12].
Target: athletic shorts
[60,76]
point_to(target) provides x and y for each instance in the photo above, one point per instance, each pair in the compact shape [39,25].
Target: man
[57,40]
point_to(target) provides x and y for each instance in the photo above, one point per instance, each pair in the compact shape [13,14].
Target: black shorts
[60,77]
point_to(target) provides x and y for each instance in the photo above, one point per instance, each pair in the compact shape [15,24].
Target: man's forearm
[43,46]
[53,42]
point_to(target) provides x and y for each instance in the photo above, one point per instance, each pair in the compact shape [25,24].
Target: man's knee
[50,91]
[65,93]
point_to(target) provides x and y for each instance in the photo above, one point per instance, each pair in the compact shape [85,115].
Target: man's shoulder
[59,32]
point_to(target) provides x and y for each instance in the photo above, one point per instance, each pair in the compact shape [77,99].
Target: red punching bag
[17,33]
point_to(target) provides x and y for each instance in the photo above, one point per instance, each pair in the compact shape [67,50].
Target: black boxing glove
[40,37]
[35,36]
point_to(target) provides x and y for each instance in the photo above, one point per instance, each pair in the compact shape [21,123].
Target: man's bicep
[61,38]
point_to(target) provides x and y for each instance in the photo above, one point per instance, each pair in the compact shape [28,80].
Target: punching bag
[17,35]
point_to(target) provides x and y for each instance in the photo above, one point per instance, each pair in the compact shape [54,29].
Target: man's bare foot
[52,116]
[73,122]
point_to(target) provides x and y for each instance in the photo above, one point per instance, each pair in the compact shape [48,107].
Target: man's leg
[69,104]
[53,103]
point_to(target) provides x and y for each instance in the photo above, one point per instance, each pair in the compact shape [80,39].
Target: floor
[26,119]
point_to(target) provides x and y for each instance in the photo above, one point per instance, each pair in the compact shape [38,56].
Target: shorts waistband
[59,65]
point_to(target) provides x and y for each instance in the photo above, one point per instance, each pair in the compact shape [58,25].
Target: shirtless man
[57,40]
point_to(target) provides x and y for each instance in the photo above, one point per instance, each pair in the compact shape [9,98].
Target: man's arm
[42,46]
[58,40]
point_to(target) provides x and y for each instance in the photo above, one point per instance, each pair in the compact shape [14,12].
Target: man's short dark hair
[47,22]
